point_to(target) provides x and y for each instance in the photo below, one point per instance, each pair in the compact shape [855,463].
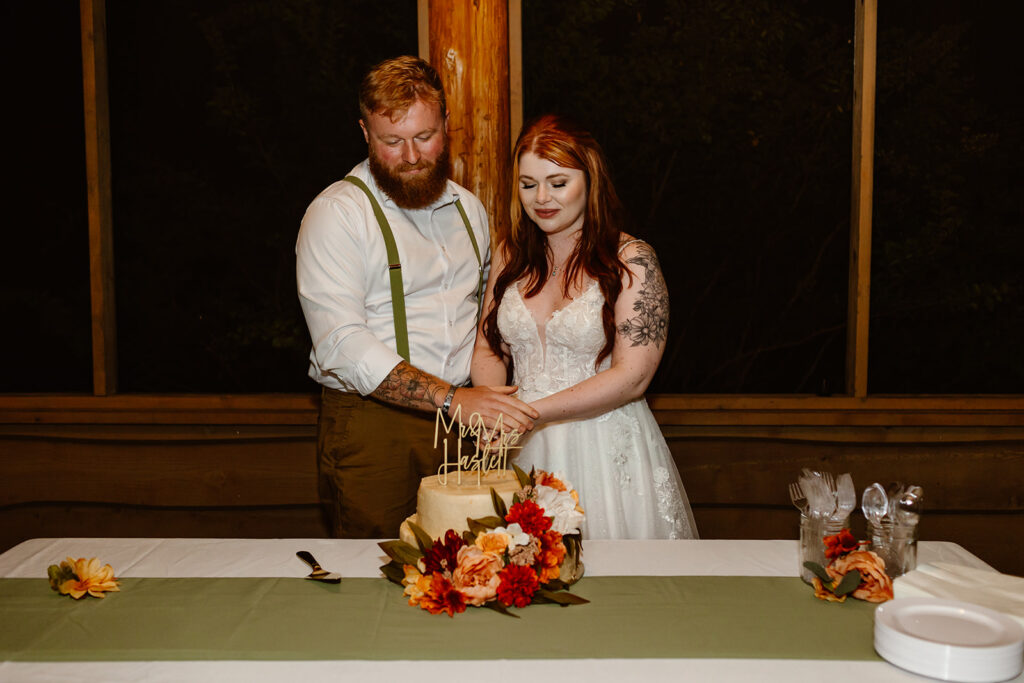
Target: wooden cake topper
[490,453]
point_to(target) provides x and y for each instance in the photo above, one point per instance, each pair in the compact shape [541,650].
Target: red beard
[419,191]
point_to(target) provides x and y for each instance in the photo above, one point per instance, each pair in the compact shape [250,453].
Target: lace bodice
[557,353]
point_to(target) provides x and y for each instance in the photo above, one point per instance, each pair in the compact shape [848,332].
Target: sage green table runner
[369,619]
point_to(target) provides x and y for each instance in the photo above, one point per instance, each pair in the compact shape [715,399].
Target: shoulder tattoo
[650,324]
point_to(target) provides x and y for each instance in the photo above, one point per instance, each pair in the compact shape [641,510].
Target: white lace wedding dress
[618,462]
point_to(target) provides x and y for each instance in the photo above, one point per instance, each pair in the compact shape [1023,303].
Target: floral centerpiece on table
[527,553]
[851,571]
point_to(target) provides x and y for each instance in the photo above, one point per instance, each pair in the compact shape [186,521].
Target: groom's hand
[491,402]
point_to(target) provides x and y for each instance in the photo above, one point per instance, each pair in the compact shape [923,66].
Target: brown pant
[370,459]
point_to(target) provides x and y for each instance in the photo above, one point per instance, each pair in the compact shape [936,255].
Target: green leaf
[476,527]
[401,552]
[524,478]
[423,539]
[556,585]
[499,504]
[59,575]
[498,607]
[394,572]
[490,522]
[563,598]
[820,572]
[848,584]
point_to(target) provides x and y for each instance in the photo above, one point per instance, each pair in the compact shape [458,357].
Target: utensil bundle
[822,496]
[897,503]
[892,514]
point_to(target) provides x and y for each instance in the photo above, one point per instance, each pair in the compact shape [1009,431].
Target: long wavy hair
[565,143]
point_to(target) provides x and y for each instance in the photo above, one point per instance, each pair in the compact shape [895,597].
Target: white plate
[949,639]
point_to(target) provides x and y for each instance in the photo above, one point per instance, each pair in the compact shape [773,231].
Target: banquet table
[270,566]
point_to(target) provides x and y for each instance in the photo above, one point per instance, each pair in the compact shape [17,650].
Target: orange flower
[416,584]
[88,578]
[441,596]
[476,575]
[542,478]
[552,552]
[875,584]
[493,542]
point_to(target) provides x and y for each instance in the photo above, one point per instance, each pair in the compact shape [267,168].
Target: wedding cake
[444,503]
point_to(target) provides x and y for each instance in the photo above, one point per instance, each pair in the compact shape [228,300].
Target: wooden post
[97,162]
[859,295]
[469,48]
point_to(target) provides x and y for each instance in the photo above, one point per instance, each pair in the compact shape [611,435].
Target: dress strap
[628,242]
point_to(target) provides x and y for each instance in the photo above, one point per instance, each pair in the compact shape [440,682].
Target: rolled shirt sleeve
[344,287]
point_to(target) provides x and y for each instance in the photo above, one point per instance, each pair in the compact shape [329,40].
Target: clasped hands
[494,402]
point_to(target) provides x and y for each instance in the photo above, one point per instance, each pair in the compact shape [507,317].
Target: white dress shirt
[345,289]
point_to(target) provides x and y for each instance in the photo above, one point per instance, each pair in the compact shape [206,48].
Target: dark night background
[728,128]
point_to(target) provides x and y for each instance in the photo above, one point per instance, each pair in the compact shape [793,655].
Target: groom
[390,265]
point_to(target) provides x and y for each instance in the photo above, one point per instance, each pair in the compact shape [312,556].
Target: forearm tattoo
[411,388]
[650,324]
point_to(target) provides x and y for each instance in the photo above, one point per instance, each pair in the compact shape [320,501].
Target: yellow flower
[88,577]
[415,582]
[823,593]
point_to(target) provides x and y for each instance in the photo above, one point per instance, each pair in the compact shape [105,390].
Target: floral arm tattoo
[650,324]
[411,388]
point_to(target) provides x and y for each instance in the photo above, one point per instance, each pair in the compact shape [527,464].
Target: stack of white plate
[949,639]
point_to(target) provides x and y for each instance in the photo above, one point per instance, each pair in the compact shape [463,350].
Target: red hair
[563,142]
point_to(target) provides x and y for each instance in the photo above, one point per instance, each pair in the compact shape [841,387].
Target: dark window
[44,279]
[227,118]
[728,129]
[947,296]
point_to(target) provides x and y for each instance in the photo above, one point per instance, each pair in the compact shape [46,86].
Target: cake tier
[440,507]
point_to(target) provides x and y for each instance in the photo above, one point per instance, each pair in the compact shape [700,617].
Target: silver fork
[796,494]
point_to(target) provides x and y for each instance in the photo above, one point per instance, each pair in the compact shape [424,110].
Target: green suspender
[395,267]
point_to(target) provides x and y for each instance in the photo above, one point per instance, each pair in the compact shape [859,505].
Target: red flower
[441,596]
[518,584]
[530,517]
[443,555]
[840,544]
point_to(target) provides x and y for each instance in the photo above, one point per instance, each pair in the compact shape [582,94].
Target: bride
[577,310]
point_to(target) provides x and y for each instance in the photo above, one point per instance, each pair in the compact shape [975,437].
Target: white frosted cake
[440,507]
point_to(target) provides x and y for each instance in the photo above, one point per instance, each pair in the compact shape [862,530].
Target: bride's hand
[493,402]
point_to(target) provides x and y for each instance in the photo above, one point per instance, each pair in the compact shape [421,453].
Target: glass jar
[812,544]
[896,544]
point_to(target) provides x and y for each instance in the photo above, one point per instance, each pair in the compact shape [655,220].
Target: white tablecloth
[147,557]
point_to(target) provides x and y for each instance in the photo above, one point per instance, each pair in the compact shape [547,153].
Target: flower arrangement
[527,553]
[851,571]
[82,577]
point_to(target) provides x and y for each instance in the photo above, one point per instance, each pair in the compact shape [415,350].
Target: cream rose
[561,506]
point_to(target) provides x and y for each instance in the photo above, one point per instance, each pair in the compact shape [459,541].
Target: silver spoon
[908,508]
[874,503]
